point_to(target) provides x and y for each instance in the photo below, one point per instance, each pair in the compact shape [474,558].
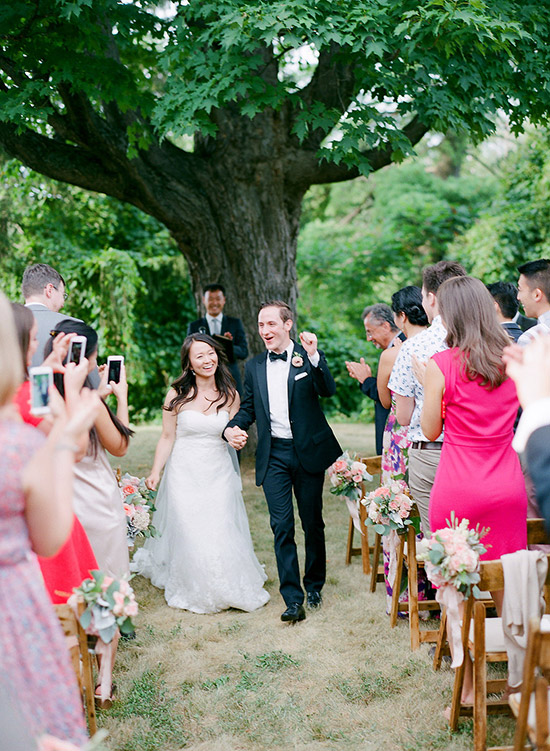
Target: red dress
[74,561]
[479,475]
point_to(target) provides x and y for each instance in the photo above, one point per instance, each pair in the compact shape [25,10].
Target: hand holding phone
[114,367]
[40,379]
[77,349]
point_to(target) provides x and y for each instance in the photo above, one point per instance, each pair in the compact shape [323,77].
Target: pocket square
[300,375]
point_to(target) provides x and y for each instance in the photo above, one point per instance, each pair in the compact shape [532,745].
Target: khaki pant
[423,465]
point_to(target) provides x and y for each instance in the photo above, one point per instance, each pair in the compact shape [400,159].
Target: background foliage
[359,243]
[125,276]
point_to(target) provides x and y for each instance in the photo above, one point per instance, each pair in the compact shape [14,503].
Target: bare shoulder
[389,356]
[172,393]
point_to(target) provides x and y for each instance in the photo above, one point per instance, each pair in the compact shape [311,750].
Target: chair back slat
[537,533]
[374,464]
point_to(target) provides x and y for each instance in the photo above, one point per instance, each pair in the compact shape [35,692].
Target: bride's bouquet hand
[153,480]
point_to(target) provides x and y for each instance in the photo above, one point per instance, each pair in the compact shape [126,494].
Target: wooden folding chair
[530,707]
[373,464]
[536,535]
[77,643]
[484,638]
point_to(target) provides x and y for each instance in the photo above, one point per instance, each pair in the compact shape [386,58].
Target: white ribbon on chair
[353,508]
[449,597]
[106,655]
[393,543]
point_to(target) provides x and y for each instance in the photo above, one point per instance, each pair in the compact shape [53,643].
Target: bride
[204,558]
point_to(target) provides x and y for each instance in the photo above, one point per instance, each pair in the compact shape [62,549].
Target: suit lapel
[261,369]
[292,371]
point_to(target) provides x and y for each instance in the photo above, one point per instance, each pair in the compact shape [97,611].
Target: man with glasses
[44,291]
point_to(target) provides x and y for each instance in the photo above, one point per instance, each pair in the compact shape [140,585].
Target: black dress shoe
[314,600]
[294,613]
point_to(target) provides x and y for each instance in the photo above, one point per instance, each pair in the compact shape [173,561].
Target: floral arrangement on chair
[110,605]
[346,475]
[451,557]
[139,505]
[389,508]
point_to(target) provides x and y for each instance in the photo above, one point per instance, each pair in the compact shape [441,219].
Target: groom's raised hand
[309,342]
[236,437]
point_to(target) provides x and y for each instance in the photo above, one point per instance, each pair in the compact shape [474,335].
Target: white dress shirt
[215,323]
[277,392]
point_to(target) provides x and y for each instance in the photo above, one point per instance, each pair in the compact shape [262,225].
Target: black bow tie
[274,356]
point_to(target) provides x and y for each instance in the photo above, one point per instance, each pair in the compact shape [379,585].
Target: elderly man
[381,330]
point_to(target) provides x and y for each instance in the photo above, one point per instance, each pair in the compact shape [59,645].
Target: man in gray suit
[44,291]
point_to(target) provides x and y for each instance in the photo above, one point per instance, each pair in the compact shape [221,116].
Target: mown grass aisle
[341,679]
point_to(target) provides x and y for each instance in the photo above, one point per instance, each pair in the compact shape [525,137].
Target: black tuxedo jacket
[240,347]
[537,454]
[525,323]
[512,329]
[314,441]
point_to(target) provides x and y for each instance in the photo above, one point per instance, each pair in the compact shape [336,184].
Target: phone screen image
[76,351]
[40,384]
[114,371]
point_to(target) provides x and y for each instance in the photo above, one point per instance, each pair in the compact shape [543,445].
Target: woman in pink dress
[479,476]
[35,517]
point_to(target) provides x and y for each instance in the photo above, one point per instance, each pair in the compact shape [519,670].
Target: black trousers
[285,473]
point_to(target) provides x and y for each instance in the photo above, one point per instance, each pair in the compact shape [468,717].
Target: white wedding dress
[204,558]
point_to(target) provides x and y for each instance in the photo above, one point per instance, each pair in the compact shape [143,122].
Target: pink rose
[358,467]
[128,490]
[434,575]
[393,506]
[357,478]
[119,603]
[107,581]
[339,465]
[403,513]
[131,609]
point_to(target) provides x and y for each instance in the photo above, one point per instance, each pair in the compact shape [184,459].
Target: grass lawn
[342,679]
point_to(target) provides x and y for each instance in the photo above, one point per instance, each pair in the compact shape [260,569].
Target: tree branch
[303,167]
[333,85]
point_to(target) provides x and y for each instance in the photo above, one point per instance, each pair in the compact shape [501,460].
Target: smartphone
[114,366]
[41,379]
[77,349]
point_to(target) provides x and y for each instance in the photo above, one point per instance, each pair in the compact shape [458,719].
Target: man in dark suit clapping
[215,322]
[295,445]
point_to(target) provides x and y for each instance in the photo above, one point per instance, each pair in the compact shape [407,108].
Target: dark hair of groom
[537,274]
[284,310]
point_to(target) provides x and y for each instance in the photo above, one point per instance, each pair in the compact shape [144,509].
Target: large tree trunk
[248,234]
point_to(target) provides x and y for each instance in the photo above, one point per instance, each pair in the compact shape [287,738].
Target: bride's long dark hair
[186,385]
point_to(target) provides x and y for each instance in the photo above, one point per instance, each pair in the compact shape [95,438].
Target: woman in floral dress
[411,318]
[35,517]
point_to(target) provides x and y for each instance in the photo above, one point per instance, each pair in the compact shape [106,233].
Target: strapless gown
[204,558]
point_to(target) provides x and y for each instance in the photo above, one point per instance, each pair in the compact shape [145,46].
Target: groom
[295,446]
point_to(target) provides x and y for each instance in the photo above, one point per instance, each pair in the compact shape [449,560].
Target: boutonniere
[297,360]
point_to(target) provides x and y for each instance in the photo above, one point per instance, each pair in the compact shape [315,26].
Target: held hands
[308,342]
[236,437]
[359,370]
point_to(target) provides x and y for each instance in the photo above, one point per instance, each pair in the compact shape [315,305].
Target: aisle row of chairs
[482,638]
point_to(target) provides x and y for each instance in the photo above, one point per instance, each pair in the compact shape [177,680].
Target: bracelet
[67,447]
